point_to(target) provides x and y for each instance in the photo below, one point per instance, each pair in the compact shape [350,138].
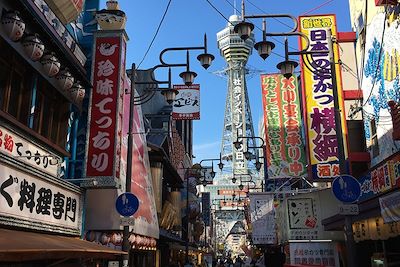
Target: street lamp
[247,154]
[169,94]
[287,68]
[220,165]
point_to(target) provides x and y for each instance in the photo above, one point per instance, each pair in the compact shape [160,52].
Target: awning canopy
[27,246]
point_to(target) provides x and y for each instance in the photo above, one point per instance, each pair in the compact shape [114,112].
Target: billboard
[319,110]
[380,84]
[186,105]
[146,221]
[283,126]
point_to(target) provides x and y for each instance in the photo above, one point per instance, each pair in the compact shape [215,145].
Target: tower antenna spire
[234,7]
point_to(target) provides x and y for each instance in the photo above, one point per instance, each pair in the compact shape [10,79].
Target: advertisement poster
[285,149]
[321,254]
[262,216]
[318,98]
[303,219]
[146,222]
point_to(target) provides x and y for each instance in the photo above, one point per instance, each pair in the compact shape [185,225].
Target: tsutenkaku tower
[237,120]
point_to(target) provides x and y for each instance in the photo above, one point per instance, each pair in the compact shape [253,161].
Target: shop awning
[26,246]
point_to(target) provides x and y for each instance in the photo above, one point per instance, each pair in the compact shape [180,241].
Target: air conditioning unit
[385,2]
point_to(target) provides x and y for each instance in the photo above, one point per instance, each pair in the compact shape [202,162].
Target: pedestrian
[274,257]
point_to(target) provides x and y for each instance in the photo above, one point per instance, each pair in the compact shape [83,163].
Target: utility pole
[348,230]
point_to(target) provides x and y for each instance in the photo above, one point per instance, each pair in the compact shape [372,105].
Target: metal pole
[205,235]
[350,244]
[128,183]
[187,222]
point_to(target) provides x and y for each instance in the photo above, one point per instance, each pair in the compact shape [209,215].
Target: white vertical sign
[262,215]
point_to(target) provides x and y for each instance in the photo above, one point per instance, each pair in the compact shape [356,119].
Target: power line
[318,7]
[219,12]
[281,22]
[156,33]
[275,39]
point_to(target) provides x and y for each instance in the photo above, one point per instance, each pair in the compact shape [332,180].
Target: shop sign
[205,207]
[53,22]
[303,219]
[230,192]
[186,105]
[19,148]
[283,126]
[321,254]
[262,216]
[103,108]
[375,229]
[318,96]
[396,173]
[381,179]
[26,197]
[390,207]
[230,203]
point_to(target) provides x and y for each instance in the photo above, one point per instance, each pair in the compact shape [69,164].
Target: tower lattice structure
[237,123]
[237,120]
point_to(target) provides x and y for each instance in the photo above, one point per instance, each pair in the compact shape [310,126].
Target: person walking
[274,257]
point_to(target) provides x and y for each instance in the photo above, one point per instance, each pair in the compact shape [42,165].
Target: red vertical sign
[103,113]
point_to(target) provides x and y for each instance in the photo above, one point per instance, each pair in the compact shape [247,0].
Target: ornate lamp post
[169,94]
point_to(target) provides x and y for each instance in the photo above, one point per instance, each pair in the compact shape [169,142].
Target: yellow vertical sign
[318,98]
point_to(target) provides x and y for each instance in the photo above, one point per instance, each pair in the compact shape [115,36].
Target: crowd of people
[273,257]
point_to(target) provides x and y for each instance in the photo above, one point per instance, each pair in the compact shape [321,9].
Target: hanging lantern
[65,79]
[33,46]
[13,24]
[132,239]
[91,236]
[77,93]
[51,65]
[105,239]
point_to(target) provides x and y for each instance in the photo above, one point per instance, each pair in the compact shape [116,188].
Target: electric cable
[318,7]
[219,12]
[156,33]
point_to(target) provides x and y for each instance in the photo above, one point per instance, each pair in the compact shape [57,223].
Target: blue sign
[346,188]
[127,204]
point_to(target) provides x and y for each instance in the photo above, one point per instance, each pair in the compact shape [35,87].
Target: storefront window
[15,84]
[51,113]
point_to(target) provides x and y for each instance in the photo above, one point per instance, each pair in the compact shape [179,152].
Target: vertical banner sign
[146,221]
[103,108]
[205,206]
[282,119]
[318,97]
[187,102]
[262,215]
[239,164]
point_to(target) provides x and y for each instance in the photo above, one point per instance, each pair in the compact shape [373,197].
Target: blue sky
[185,24]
